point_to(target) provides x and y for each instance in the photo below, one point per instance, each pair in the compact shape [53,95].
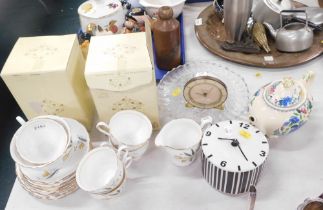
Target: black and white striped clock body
[232,166]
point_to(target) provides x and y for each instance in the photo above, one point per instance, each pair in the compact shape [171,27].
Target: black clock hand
[235,143]
[241,150]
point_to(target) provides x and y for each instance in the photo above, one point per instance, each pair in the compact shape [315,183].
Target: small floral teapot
[282,106]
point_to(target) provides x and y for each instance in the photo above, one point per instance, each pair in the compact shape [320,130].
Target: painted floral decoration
[257,93]
[128,103]
[186,157]
[283,95]
[298,119]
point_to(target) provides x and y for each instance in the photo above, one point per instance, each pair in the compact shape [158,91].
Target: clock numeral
[262,153]
[245,126]
[223,163]
[239,168]
[208,133]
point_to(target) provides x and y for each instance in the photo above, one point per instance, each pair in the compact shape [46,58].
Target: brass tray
[211,34]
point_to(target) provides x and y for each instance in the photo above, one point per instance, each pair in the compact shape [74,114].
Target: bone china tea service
[181,138]
[129,128]
[47,150]
[102,173]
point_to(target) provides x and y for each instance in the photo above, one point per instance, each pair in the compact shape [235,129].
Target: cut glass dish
[172,104]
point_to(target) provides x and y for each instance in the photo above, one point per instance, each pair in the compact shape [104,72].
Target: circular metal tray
[211,34]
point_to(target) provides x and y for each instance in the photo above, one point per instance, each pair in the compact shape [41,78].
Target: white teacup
[129,128]
[181,138]
[77,146]
[102,170]
[41,141]
[110,193]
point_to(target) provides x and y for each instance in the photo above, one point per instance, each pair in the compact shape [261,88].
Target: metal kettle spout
[271,29]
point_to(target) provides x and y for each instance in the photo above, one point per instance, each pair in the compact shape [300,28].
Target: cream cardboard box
[120,73]
[45,74]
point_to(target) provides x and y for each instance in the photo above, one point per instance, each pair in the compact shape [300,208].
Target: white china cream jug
[181,138]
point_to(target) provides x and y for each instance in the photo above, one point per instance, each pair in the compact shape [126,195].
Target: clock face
[235,146]
[205,92]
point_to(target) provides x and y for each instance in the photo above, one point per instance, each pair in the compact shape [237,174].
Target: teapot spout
[308,79]
[261,125]
[271,29]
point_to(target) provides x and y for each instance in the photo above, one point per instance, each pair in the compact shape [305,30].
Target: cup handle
[20,120]
[103,128]
[105,144]
[124,157]
[205,122]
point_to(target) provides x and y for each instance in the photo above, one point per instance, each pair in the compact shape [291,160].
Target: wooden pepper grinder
[166,33]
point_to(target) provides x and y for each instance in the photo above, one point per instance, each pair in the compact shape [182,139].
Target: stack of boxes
[48,75]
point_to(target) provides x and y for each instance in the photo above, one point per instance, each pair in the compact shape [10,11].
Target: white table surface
[293,172]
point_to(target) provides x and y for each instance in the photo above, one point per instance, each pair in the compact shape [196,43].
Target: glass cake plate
[172,104]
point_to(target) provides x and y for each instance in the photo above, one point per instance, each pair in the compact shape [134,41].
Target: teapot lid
[279,5]
[285,94]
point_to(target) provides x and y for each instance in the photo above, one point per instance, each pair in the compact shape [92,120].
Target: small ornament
[137,14]
[85,44]
[90,29]
[129,24]
[113,28]
[100,29]
[142,29]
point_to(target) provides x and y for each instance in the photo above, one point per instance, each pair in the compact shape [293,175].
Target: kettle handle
[293,11]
